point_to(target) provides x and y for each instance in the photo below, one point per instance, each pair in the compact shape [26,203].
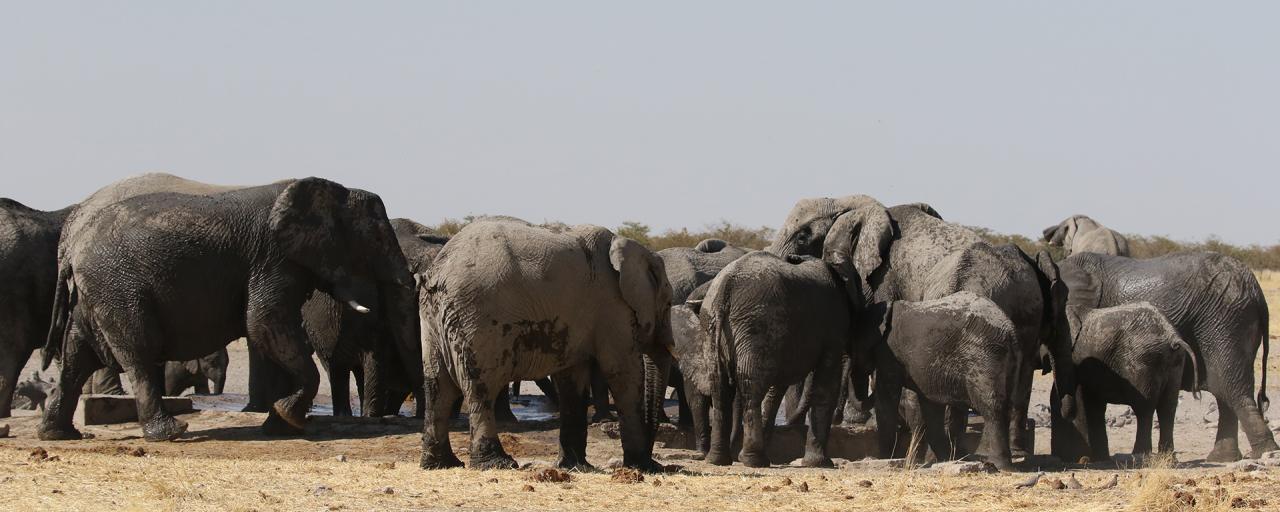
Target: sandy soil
[224,463]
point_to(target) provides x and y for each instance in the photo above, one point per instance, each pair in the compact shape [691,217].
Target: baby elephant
[768,322]
[196,373]
[1129,355]
[957,350]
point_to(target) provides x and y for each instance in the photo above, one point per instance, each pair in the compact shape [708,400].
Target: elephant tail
[721,337]
[1266,349]
[63,298]
[1195,369]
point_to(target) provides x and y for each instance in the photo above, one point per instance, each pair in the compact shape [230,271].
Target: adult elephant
[205,270]
[28,266]
[506,300]
[347,342]
[687,269]
[1079,233]
[1216,305]
[908,252]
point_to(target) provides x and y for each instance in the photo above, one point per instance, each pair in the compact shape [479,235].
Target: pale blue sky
[1154,117]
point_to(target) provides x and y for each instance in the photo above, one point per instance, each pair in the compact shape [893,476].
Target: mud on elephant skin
[506,300]
[245,258]
[1130,355]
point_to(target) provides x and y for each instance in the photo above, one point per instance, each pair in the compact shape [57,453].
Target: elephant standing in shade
[769,322]
[28,267]
[1131,355]
[506,300]
[244,259]
[687,269]
[977,347]
[1217,307]
[1079,233]
[909,253]
[197,374]
[348,342]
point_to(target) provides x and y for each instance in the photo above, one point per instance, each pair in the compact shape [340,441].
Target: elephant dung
[111,409]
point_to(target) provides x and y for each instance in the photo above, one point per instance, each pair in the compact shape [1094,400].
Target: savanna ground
[223,463]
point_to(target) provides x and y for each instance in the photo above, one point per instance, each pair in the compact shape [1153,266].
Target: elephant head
[1057,331]
[1063,234]
[852,234]
[642,280]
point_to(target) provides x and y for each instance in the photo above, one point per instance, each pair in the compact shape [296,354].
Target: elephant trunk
[656,369]
[400,315]
[1064,377]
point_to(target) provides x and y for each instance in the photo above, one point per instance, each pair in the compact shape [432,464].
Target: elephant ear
[1084,291]
[856,244]
[641,278]
[1075,319]
[305,223]
[1054,234]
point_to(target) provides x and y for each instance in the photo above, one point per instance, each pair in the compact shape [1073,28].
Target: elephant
[507,300]
[197,373]
[1128,354]
[205,270]
[908,252]
[1079,233]
[28,265]
[768,322]
[348,342]
[979,349]
[30,394]
[687,269]
[1215,303]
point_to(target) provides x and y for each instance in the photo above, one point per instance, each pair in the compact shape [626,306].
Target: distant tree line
[1257,257]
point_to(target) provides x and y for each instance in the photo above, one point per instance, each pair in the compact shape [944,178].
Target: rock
[4,430]
[341,458]
[960,467]
[873,464]
[1270,459]
[1245,465]
[111,409]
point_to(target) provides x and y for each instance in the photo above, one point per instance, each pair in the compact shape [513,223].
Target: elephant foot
[579,465]
[163,428]
[603,418]
[277,426]
[1224,450]
[487,453]
[58,434]
[718,458]
[817,461]
[700,456]
[439,461]
[286,409]
[753,460]
[645,464]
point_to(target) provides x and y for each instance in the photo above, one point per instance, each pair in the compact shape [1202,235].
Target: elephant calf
[196,373]
[1128,355]
[769,322]
[957,350]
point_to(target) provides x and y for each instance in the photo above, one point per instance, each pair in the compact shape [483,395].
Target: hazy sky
[1154,117]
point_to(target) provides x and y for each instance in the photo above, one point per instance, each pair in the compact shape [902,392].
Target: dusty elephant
[1079,233]
[246,259]
[197,374]
[506,300]
[1131,355]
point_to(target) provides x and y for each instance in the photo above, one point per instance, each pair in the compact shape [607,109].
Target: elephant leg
[340,389]
[827,382]
[769,411]
[932,427]
[956,421]
[600,396]
[202,385]
[791,404]
[1142,439]
[888,393]
[219,378]
[720,452]
[441,394]
[280,337]
[1226,447]
[148,391]
[571,386]
[268,382]
[754,451]
[486,449]
[625,378]
[1067,438]
[699,411]
[1018,413]
[78,364]
[1095,410]
[1255,426]
[10,366]
[105,381]
[502,407]
[683,409]
[994,444]
[549,390]
[1166,411]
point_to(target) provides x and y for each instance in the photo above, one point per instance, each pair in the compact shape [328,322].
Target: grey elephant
[1217,307]
[206,270]
[769,322]
[687,269]
[30,394]
[958,350]
[197,374]
[1079,233]
[909,253]
[506,300]
[1128,354]
[28,265]
[348,342]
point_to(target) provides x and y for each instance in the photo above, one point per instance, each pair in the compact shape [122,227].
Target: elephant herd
[855,307]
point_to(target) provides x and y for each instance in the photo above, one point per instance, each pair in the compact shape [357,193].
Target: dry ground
[225,464]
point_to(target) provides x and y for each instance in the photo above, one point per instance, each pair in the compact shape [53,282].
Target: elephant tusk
[356,306]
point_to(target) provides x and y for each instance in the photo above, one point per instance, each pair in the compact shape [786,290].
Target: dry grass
[83,480]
